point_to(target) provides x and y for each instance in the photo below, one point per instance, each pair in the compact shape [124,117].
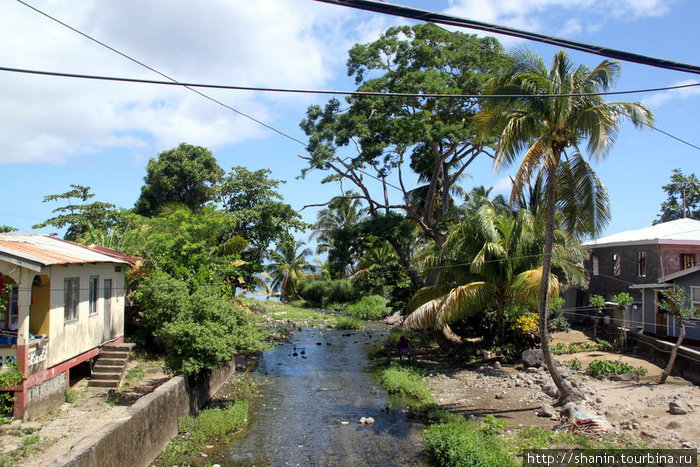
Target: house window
[642,264]
[617,265]
[695,298]
[596,267]
[687,260]
[93,285]
[107,296]
[71,295]
[13,310]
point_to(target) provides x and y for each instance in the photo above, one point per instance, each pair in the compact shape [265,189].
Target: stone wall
[143,431]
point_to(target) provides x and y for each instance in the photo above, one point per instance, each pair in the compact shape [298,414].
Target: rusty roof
[47,250]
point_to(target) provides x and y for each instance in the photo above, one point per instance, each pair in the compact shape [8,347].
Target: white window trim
[93,295]
[76,312]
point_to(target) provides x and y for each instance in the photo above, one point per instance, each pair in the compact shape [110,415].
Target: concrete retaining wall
[144,430]
[687,364]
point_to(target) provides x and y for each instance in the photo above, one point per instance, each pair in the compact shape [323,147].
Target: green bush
[372,307]
[9,378]
[609,367]
[320,292]
[465,444]
[401,379]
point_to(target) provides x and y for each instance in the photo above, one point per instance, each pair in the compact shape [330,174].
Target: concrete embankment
[139,436]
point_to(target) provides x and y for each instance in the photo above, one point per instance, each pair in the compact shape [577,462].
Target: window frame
[107,295]
[687,260]
[71,299]
[617,264]
[93,294]
[642,264]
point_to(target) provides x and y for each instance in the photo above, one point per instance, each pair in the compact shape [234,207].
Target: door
[107,330]
[661,318]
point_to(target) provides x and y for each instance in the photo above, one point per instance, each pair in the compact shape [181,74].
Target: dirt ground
[40,442]
[639,409]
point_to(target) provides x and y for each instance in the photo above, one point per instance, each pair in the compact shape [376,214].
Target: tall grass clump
[321,292]
[405,381]
[468,443]
[371,307]
[349,322]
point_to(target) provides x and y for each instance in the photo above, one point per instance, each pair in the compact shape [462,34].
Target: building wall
[605,283]
[692,328]
[67,339]
[671,255]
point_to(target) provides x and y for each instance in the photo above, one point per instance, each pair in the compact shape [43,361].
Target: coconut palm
[503,270]
[341,213]
[288,266]
[550,131]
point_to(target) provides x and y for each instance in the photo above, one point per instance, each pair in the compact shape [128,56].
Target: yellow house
[66,302]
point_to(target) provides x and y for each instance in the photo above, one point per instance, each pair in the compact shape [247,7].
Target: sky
[61,131]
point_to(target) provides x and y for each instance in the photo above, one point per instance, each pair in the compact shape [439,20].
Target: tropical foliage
[550,132]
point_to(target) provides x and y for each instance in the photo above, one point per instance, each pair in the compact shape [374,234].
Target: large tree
[434,135]
[683,198]
[185,175]
[548,114]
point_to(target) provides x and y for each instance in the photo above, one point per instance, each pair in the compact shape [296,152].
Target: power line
[433,17]
[329,91]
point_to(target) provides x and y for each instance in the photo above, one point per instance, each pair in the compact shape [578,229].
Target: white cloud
[664,97]
[503,186]
[547,15]
[269,43]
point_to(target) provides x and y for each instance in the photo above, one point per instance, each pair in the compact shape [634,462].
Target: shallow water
[307,393]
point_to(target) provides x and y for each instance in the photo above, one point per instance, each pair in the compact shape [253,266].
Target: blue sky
[57,131]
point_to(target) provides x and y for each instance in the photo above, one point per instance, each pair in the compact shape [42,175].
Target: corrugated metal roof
[47,250]
[680,231]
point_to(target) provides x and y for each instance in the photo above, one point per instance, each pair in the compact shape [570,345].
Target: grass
[196,432]
[349,322]
[30,445]
[282,313]
[134,375]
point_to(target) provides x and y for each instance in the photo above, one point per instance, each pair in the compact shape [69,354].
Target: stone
[551,391]
[394,319]
[678,407]
[674,425]
[500,396]
[546,411]
[532,358]
[569,409]
[497,365]
[241,362]
[629,376]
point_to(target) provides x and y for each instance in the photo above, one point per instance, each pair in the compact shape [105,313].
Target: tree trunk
[416,280]
[566,392]
[499,320]
[445,336]
[672,360]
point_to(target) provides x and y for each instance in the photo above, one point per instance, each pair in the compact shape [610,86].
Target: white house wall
[68,339]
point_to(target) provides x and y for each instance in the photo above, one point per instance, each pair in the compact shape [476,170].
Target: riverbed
[313,392]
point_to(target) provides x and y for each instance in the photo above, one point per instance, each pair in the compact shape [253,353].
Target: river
[313,391]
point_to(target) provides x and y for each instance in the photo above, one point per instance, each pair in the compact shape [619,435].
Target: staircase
[109,367]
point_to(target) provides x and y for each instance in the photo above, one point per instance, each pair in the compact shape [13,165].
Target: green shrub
[320,292]
[71,395]
[575,364]
[609,367]
[465,444]
[372,307]
[401,379]
[9,378]
[349,322]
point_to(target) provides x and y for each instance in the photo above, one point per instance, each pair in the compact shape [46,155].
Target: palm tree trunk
[445,336]
[566,392]
[672,360]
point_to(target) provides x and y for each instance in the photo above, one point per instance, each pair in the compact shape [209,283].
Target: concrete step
[109,376]
[110,361]
[98,368]
[121,346]
[103,383]
[114,354]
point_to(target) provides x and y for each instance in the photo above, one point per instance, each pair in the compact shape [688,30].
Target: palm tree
[550,131]
[341,213]
[288,266]
[503,270]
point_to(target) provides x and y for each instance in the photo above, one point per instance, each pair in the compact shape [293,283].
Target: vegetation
[211,425]
[9,378]
[323,292]
[469,443]
[608,368]
[551,131]
[349,322]
[683,198]
[372,307]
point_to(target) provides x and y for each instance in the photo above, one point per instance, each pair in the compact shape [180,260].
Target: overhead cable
[450,20]
[330,91]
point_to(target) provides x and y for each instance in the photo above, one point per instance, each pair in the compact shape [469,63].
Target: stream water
[313,392]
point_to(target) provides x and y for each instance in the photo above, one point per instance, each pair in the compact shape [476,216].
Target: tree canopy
[436,136]
[186,175]
[683,199]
